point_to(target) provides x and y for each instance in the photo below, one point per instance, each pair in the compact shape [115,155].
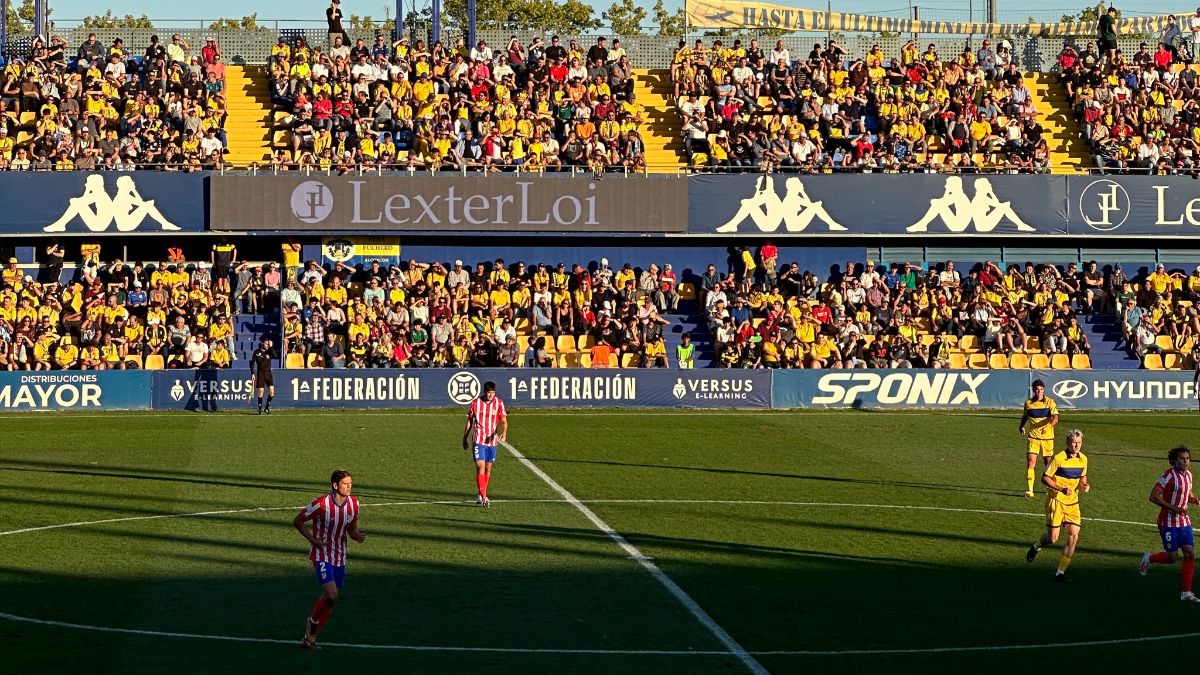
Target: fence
[232,390]
[253,47]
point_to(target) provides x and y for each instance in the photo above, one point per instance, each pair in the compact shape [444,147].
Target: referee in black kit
[261,363]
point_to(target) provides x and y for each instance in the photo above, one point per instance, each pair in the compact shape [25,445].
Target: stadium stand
[544,107]
[102,106]
[750,108]
[1138,113]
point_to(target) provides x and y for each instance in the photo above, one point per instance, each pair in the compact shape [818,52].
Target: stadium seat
[1039,361]
[756,321]
[314,361]
[1164,343]
[294,360]
[135,359]
[927,339]
[586,342]
[550,345]
[1152,362]
[687,291]
[867,340]
[1018,361]
[1173,361]
[522,344]
[566,343]
[958,360]
[969,343]
[1081,362]
[998,361]
[629,360]
[612,360]
[977,361]
[569,360]
[1033,345]
[585,360]
[1188,345]
[1060,362]
[154,362]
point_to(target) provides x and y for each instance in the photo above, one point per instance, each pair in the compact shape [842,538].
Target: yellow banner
[763,15]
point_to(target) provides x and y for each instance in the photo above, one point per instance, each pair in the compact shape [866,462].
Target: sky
[951,10]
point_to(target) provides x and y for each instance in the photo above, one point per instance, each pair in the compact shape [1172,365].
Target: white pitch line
[607,502]
[661,577]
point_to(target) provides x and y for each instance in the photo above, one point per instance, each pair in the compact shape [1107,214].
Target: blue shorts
[485,453]
[327,572]
[1173,538]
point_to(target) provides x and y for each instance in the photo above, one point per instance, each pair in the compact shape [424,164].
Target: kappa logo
[1070,390]
[312,202]
[126,210]
[794,212]
[957,212]
[1101,202]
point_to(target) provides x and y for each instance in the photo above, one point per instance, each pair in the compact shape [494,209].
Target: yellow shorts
[1058,513]
[1045,448]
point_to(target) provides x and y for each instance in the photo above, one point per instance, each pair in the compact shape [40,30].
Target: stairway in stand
[249,330]
[1104,333]
[1069,152]
[248,100]
[661,131]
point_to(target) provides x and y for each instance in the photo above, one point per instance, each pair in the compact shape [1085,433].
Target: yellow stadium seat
[1033,345]
[612,360]
[569,360]
[1173,361]
[154,362]
[1152,362]
[314,361]
[550,345]
[958,360]
[756,321]
[1060,362]
[998,361]
[629,360]
[1019,361]
[1081,362]
[135,359]
[867,340]
[586,342]
[585,360]
[922,324]
[294,360]
[1039,361]
[1164,343]
[522,344]
[1187,346]
[927,339]
[969,343]
[977,361]
[522,325]
[687,291]
[566,343]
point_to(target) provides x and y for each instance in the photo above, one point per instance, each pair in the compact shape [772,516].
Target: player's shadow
[771,474]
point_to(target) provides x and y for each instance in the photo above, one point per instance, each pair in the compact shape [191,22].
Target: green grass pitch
[792,531]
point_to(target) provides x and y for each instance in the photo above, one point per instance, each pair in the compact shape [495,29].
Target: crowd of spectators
[749,108]
[537,107]
[902,315]
[429,314]
[110,315]
[1138,112]
[102,106]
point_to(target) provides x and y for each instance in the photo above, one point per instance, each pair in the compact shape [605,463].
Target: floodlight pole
[436,33]
[398,30]
[471,39]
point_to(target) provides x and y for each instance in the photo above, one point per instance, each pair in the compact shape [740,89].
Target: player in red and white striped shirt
[488,419]
[334,516]
[1172,494]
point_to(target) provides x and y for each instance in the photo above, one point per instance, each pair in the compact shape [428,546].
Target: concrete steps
[661,130]
[248,100]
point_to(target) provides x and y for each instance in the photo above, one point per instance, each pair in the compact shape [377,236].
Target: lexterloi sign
[448,203]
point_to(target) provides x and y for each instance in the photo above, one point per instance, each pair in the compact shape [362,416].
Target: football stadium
[795,340]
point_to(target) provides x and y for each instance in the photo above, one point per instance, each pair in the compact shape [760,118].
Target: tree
[20,18]
[110,20]
[557,16]
[669,23]
[249,22]
[625,17]
[1093,13]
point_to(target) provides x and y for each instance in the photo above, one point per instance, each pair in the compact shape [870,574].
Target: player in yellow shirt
[1041,415]
[1066,477]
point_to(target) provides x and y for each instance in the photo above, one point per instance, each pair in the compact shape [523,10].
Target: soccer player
[334,516]
[1041,414]
[1066,477]
[264,378]
[1172,494]
[489,420]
